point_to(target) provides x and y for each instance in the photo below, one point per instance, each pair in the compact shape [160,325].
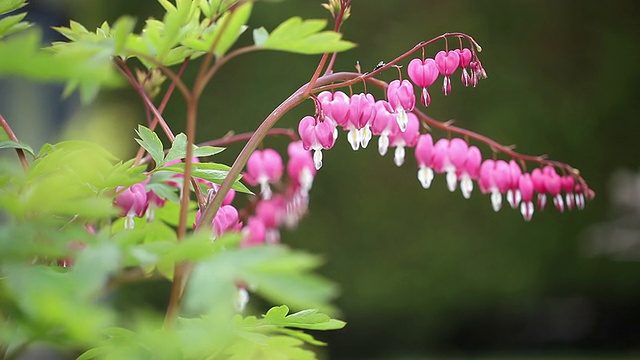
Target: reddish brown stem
[163,104]
[12,137]
[336,27]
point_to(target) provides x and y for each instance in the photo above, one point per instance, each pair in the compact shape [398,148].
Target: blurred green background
[426,271]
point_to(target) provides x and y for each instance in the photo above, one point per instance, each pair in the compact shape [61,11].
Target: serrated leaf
[260,36]
[179,149]
[213,172]
[11,5]
[305,37]
[9,144]
[83,64]
[12,24]
[233,29]
[150,141]
[122,29]
[163,191]
[293,285]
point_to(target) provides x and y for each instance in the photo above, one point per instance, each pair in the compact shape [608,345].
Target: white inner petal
[425,175]
[365,136]
[353,136]
[398,156]
[452,180]
[466,186]
[496,200]
[402,119]
[526,209]
[383,144]
[317,158]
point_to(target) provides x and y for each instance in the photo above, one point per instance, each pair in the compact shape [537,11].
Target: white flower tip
[365,136]
[526,209]
[496,200]
[265,190]
[398,156]
[425,176]
[242,299]
[383,144]
[402,119]
[354,139]
[466,186]
[317,158]
[452,180]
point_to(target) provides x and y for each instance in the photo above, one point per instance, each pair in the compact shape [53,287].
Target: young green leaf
[11,5]
[305,37]
[8,144]
[179,149]
[222,34]
[150,141]
[12,24]
[213,172]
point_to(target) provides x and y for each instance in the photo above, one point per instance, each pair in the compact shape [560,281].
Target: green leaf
[179,149]
[84,65]
[12,24]
[260,36]
[305,37]
[11,5]
[280,275]
[8,144]
[122,29]
[165,192]
[150,141]
[206,150]
[213,172]
[310,319]
[233,29]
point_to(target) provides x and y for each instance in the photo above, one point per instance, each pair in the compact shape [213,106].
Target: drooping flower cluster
[393,120]
[287,207]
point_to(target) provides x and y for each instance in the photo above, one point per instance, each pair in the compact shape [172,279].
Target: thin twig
[12,137]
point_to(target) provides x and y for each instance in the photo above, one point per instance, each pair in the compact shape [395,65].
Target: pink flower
[423,73]
[403,139]
[469,171]
[553,183]
[539,186]
[316,135]
[465,60]
[264,167]
[513,194]
[228,199]
[336,107]
[424,157]
[402,99]
[361,114]
[494,178]
[225,220]
[132,202]
[568,186]
[383,124]
[477,72]
[447,62]
[525,186]
[300,167]
[254,233]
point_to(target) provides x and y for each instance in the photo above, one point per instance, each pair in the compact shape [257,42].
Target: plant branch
[124,70]
[292,101]
[163,104]
[12,137]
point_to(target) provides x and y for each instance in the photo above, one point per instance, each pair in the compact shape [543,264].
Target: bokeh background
[426,273]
